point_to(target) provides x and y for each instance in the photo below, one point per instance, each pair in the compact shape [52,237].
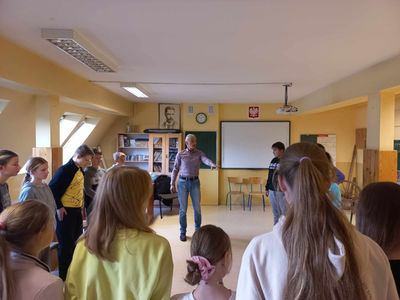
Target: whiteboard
[247,145]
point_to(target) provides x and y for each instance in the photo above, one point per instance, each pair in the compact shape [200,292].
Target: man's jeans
[277,203]
[184,188]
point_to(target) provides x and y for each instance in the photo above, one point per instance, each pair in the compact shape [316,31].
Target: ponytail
[311,228]
[193,275]
[209,246]
[6,279]
[27,178]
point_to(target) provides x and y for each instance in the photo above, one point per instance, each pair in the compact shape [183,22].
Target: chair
[350,194]
[162,192]
[234,181]
[167,198]
[253,190]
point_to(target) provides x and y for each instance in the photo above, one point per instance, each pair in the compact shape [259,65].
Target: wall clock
[201,118]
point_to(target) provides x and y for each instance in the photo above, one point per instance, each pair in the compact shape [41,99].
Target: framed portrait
[169,116]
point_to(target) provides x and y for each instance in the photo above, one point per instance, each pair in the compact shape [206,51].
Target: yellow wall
[146,116]
[342,122]
[17,123]
[25,67]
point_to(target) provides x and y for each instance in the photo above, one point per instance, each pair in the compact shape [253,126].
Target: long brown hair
[208,241]
[32,164]
[119,203]
[311,225]
[20,223]
[378,214]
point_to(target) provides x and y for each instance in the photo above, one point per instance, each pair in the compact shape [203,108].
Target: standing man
[93,174]
[188,163]
[271,188]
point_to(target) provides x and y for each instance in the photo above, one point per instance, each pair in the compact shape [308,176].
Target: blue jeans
[277,203]
[184,188]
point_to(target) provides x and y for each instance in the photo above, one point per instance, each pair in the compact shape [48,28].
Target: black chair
[162,191]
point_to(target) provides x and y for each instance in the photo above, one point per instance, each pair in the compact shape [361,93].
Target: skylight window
[74,130]
[3,104]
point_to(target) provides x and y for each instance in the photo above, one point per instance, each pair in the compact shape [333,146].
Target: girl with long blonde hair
[313,251]
[121,256]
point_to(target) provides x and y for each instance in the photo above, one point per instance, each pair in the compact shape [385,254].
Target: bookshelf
[163,149]
[136,148]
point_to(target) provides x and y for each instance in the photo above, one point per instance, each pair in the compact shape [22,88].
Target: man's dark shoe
[183,237]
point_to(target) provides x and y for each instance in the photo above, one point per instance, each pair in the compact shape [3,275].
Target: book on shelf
[157,168]
[157,142]
[157,156]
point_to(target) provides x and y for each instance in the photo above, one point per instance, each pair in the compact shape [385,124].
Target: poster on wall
[326,140]
[254,112]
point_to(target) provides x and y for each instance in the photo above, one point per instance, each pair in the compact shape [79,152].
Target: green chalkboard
[397,147]
[206,142]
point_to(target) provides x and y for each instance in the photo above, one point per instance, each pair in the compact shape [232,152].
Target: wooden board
[361,138]
[388,166]
[379,166]
[370,166]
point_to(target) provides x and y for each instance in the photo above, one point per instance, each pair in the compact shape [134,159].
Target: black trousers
[68,231]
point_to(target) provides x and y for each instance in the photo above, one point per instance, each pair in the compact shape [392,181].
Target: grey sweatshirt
[31,191]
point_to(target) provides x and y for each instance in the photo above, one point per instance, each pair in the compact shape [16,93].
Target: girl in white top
[313,252]
[25,229]
[211,260]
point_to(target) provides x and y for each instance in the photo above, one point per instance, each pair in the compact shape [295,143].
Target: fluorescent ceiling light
[75,45]
[134,89]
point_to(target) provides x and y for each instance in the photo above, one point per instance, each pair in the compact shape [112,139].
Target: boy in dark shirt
[271,188]
[67,188]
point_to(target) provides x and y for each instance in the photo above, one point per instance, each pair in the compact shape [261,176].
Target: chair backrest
[255,180]
[235,179]
[162,185]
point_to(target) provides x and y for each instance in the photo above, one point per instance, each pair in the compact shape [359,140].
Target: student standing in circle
[271,189]
[67,188]
[188,163]
[313,251]
[9,166]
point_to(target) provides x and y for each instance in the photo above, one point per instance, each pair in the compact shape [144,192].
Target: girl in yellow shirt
[119,256]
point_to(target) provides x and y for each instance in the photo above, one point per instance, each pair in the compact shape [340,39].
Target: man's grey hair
[190,137]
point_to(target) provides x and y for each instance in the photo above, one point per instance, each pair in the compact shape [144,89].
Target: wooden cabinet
[136,148]
[163,149]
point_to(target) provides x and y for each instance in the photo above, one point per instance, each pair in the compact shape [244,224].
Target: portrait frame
[172,112]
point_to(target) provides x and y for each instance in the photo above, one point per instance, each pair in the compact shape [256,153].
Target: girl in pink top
[25,229]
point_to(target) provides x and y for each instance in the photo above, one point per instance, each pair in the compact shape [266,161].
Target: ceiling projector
[287,108]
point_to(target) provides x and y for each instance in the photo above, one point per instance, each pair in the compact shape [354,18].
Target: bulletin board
[327,140]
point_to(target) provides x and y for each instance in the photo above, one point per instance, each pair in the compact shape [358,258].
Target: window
[74,130]
[3,104]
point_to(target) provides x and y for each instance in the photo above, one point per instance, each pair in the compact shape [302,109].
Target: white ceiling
[311,43]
